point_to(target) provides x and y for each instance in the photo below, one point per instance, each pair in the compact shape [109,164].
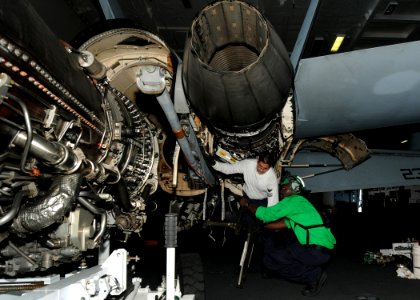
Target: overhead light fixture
[337,43]
[392,5]
[404,141]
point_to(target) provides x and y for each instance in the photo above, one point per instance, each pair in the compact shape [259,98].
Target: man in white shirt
[260,187]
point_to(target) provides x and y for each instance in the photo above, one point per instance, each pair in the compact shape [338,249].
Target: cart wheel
[191,275]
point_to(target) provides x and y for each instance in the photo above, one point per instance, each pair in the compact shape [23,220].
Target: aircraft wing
[322,172]
[358,90]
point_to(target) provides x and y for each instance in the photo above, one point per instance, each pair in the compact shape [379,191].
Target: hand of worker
[276,225]
[211,161]
[243,202]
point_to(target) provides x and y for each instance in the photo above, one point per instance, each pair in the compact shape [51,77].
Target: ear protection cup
[295,186]
[295,183]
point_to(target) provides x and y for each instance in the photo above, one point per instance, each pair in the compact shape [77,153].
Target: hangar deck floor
[349,278]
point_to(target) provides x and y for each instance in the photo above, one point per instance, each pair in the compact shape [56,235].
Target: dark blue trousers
[249,218]
[285,257]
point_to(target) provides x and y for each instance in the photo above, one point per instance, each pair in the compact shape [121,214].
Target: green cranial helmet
[295,183]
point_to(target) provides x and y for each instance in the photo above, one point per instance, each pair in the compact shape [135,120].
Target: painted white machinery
[109,279]
[98,283]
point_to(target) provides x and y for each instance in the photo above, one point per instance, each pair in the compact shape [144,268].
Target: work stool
[253,236]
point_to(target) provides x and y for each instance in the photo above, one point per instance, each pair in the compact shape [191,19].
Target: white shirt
[257,186]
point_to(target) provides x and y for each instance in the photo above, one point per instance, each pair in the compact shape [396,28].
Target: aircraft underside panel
[358,90]
[324,173]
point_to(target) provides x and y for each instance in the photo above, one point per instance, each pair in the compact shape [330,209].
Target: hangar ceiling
[362,23]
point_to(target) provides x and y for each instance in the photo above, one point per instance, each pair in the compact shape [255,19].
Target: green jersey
[297,211]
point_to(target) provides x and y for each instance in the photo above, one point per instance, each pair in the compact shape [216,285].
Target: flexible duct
[51,208]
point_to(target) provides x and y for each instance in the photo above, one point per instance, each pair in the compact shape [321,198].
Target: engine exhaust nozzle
[236,72]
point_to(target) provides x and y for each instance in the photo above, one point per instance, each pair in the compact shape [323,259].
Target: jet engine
[78,157]
[234,52]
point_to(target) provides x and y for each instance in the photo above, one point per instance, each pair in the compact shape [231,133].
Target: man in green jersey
[306,246]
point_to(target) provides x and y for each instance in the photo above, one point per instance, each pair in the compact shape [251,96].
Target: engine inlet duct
[235,53]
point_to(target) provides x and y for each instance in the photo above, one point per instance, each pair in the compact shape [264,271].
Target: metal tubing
[51,153]
[48,152]
[97,211]
[28,131]
[21,253]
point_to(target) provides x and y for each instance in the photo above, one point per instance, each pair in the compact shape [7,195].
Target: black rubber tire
[191,275]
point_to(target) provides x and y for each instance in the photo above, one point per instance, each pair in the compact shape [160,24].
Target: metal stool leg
[245,260]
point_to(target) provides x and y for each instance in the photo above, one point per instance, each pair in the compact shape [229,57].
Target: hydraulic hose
[14,209]
[28,131]
[123,196]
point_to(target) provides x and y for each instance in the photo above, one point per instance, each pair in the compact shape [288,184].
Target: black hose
[7,217]
[28,132]
[6,199]
[146,192]
[20,113]
[123,195]
[7,155]
[12,124]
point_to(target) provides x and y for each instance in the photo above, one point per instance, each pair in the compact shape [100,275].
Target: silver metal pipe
[21,253]
[97,211]
[94,67]
[102,228]
[51,153]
